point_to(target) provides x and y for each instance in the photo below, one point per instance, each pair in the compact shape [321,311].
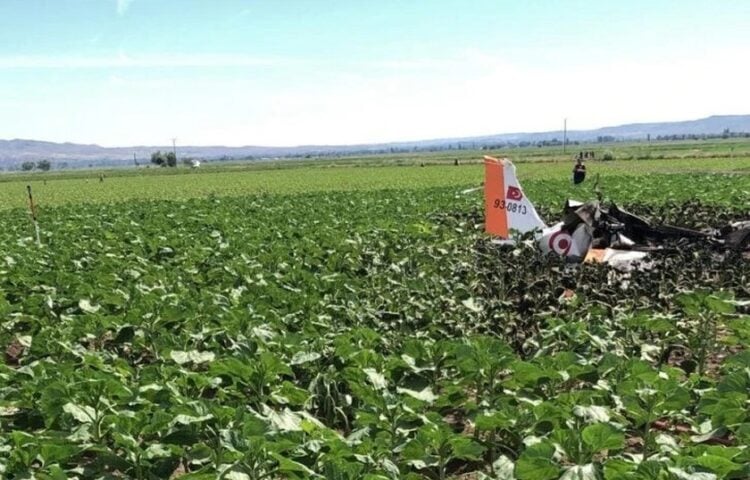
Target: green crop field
[161,184]
[354,322]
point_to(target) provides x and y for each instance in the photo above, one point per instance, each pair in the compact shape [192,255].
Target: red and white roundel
[560,242]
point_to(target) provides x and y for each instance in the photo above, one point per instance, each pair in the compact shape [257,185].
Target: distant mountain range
[71,155]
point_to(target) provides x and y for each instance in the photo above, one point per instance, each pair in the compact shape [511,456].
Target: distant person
[579,172]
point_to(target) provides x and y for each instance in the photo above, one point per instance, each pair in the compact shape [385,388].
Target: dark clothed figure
[579,172]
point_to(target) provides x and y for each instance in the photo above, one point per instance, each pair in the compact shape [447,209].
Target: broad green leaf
[536,468]
[58,452]
[82,413]
[304,357]
[592,413]
[490,421]
[580,472]
[235,475]
[536,463]
[189,419]
[424,395]
[466,448]
[86,306]
[503,468]
[719,465]
[285,421]
[618,468]
[376,379]
[681,474]
[603,436]
[157,450]
[667,443]
[719,305]
[287,465]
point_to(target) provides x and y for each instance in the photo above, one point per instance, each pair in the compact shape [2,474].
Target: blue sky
[290,72]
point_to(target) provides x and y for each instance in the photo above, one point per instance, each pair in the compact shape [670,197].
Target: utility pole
[565,134]
[174,151]
[135,160]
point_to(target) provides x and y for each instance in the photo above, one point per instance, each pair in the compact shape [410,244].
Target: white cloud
[122,6]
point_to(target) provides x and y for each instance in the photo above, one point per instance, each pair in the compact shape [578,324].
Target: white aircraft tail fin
[506,207]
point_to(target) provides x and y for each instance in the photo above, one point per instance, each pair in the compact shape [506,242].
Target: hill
[71,155]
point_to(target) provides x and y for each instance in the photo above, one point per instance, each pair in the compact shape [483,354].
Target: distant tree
[159,158]
[43,165]
[27,166]
[171,159]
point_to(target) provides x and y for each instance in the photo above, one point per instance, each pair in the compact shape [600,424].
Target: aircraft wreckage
[591,232]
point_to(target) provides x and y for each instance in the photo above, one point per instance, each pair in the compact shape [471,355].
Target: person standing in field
[579,171]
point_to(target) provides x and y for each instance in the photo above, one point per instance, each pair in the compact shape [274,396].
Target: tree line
[159,158]
[43,165]
[705,136]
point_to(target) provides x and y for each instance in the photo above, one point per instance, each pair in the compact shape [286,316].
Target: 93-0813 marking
[510,206]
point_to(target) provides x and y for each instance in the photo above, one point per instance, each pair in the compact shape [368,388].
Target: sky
[302,72]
